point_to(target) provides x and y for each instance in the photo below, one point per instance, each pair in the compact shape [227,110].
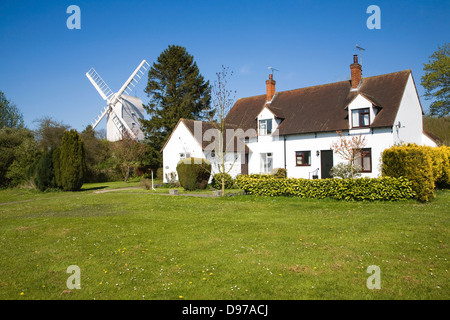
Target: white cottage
[295,129]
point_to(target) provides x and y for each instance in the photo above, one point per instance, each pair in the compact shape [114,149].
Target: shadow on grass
[93,188]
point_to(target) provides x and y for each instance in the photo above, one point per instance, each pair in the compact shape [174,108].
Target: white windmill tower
[122,110]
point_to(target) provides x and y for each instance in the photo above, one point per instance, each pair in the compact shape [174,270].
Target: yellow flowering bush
[426,167]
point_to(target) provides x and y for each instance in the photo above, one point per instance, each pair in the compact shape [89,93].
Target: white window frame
[266,159]
[263,124]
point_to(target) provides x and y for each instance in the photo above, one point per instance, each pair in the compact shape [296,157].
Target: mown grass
[141,245]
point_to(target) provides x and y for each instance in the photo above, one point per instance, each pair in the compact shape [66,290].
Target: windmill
[122,110]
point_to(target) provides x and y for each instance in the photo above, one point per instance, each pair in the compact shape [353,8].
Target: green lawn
[137,244]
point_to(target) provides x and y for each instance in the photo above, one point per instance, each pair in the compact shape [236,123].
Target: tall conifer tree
[176,90]
[72,165]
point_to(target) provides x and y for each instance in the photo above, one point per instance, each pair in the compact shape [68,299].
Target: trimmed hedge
[426,167]
[193,173]
[362,189]
[441,166]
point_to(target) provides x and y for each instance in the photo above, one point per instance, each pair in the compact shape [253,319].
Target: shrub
[413,162]
[45,176]
[160,174]
[344,171]
[18,152]
[441,166]
[146,183]
[194,173]
[279,173]
[72,162]
[370,189]
[217,181]
[444,181]
[56,159]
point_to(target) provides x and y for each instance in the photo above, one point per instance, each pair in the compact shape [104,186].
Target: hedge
[362,189]
[426,167]
[194,173]
[441,166]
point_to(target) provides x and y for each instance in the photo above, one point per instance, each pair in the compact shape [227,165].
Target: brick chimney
[270,87]
[356,71]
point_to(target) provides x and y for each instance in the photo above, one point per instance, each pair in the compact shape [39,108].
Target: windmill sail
[100,117]
[99,84]
[132,80]
[114,99]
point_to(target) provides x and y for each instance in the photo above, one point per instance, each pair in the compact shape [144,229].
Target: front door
[326,163]
[244,165]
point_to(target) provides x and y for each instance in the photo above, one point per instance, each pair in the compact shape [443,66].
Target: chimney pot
[355,58]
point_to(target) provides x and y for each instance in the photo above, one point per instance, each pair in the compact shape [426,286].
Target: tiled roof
[323,108]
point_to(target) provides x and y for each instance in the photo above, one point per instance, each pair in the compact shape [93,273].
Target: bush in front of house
[194,173]
[279,173]
[361,189]
[344,170]
[216,182]
[426,167]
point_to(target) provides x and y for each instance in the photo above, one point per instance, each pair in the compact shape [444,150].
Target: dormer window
[265,127]
[360,118]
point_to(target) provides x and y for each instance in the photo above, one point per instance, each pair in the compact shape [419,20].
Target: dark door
[244,165]
[326,163]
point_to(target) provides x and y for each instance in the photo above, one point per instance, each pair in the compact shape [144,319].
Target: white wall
[377,140]
[410,117]
[427,141]
[181,141]
[232,163]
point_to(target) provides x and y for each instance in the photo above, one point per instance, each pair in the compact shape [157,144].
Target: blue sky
[43,63]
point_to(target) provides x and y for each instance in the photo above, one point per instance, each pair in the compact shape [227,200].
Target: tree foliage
[436,81]
[18,151]
[176,90]
[45,175]
[439,126]
[98,151]
[10,115]
[49,133]
[128,152]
